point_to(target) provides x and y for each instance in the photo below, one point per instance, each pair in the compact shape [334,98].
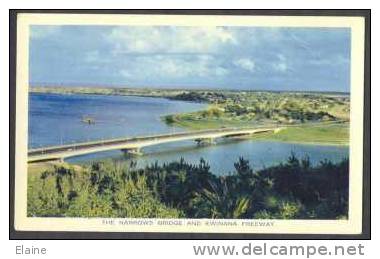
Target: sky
[252,58]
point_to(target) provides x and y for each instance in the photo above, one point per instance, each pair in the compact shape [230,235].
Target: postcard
[181,123]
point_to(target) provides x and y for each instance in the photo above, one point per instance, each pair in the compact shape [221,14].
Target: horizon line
[194,88]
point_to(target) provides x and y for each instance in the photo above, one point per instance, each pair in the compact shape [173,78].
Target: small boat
[88,120]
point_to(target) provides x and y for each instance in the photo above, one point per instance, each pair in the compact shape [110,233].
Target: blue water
[57,119]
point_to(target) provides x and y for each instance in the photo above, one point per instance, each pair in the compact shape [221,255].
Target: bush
[291,190]
[103,190]
[170,119]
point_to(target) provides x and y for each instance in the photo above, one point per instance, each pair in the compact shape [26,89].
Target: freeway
[135,143]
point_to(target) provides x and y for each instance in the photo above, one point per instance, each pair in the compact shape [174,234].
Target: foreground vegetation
[291,190]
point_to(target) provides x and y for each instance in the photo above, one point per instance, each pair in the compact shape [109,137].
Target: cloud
[207,56]
[334,60]
[281,65]
[168,52]
[245,63]
[164,66]
[158,39]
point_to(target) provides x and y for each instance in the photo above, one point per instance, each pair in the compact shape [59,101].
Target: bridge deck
[70,150]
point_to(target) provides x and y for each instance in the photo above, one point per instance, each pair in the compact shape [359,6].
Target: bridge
[133,145]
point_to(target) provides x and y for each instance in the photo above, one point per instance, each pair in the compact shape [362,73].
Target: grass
[317,131]
[196,124]
[332,134]
[196,121]
[35,169]
[335,134]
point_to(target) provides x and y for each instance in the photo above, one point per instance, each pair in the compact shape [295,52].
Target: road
[135,143]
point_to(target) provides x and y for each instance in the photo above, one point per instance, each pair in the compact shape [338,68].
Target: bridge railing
[101,142]
[138,138]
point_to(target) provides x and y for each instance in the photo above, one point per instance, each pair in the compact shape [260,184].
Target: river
[57,119]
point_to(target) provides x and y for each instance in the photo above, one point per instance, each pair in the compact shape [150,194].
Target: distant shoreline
[105,91]
[169,91]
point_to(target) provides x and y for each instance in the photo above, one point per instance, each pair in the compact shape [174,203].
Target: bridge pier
[202,137]
[130,152]
[204,141]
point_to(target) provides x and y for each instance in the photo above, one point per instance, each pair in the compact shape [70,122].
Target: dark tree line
[291,190]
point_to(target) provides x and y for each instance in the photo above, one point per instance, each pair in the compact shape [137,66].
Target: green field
[304,117]
[327,132]
[337,134]
[332,134]
[189,121]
